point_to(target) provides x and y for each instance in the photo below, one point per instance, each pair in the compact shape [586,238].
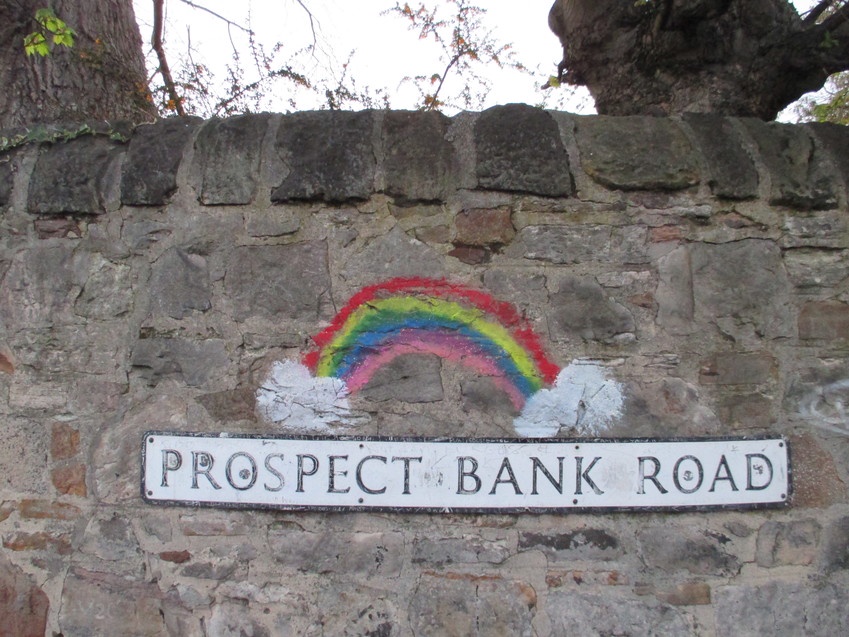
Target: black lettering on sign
[462,474]
[649,476]
[274,472]
[359,475]
[201,466]
[303,472]
[171,461]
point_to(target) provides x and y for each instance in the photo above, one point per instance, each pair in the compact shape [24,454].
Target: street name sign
[463,475]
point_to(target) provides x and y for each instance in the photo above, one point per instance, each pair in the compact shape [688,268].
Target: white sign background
[462,475]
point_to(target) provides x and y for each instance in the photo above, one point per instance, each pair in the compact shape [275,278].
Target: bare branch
[312,20]
[217,15]
[164,69]
[814,14]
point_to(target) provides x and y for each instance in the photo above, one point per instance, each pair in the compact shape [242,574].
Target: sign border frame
[301,508]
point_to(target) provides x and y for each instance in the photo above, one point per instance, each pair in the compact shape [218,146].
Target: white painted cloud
[294,399]
[584,401]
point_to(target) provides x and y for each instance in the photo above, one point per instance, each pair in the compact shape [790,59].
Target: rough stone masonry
[153,283]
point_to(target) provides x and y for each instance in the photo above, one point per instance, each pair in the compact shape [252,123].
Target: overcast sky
[381,48]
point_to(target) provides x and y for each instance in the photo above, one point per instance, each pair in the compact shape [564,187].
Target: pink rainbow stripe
[445,345]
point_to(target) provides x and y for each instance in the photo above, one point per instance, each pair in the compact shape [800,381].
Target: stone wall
[152,282]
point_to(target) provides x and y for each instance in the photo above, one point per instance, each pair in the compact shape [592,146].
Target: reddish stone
[6,509]
[484,227]
[45,509]
[738,368]
[816,483]
[178,557]
[64,441]
[7,361]
[38,541]
[471,256]
[57,228]
[827,320]
[23,605]
[70,480]
[642,300]
[687,594]
[666,233]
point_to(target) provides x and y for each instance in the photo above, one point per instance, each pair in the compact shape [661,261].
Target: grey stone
[6,179]
[468,549]
[329,156]
[519,149]
[150,170]
[23,605]
[580,244]
[745,281]
[284,280]
[698,553]
[834,139]
[580,308]
[732,173]
[811,268]
[75,177]
[799,173]
[234,620]
[140,235]
[229,152]
[40,287]
[230,405]
[395,255]
[669,407]
[411,378]
[93,604]
[579,613]
[636,153]
[674,294]
[484,396]
[781,608]
[785,543]
[417,157]
[466,606]
[275,222]
[25,446]
[111,537]
[581,544]
[835,546]
[179,284]
[193,362]
[358,553]
[108,291]
[219,571]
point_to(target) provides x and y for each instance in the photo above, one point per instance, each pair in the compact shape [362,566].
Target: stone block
[824,320]
[835,546]
[582,544]
[358,554]
[76,177]
[781,608]
[23,605]
[799,172]
[25,446]
[589,613]
[833,138]
[230,405]
[150,170]
[229,153]
[742,286]
[746,411]
[179,284]
[96,603]
[215,523]
[57,228]
[110,537]
[417,157]
[581,309]
[47,510]
[64,441]
[686,594]
[290,281]
[636,153]
[468,549]
[731,171]
[329,156]
[484,227]
[811,268]
[107,292]
[458,605]
[519,149]
[738,368]
[686,550]
[412,378]
[193,362]
[70,480]
[816,481]
[49,541]
[573,244]
[7,179]
[394,254]
[788,543]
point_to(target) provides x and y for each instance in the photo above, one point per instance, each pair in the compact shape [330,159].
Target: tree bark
[102,77]
[731,57]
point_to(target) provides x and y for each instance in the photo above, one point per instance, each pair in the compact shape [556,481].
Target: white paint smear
[584,401]
[828,407]
[292,397]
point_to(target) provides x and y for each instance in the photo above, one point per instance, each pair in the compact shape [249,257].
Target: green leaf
[35,43]
[553,82]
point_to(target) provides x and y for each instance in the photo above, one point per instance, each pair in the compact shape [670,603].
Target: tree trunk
[732,57]
[102,77]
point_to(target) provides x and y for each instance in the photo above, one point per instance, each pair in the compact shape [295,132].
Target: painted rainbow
[426,316]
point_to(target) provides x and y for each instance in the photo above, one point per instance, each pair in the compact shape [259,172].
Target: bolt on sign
[456,475]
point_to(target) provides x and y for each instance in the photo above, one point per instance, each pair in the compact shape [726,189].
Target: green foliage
[831,104]
[52,30]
